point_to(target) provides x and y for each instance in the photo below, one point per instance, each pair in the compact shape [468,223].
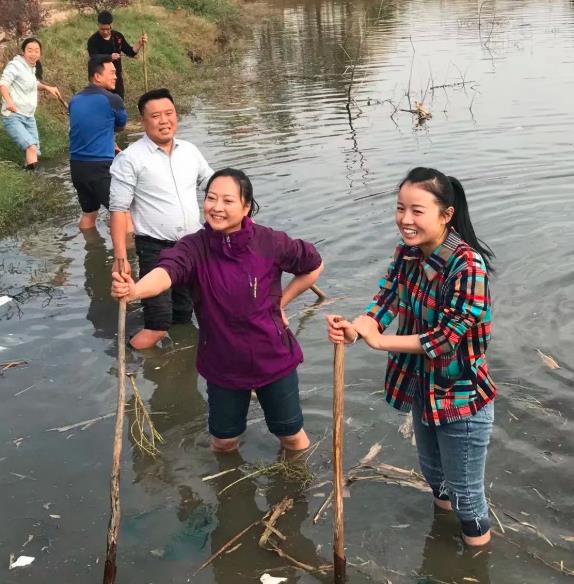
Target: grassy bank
[204,29]
[25,199]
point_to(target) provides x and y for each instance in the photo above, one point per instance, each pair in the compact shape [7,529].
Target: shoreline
[186,52]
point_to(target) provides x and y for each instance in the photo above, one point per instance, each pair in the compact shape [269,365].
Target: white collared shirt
[159,189]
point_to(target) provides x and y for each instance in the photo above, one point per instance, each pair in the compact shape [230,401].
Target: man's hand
[121,266]
[11,107]
[116,56]
[143,39]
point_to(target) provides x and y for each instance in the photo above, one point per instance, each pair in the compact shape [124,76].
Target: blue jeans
[452,458]
[279,401]
[23,130]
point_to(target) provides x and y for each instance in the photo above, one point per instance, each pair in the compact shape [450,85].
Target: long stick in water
[110,568]
[320,294]
[339,561]
[144,64]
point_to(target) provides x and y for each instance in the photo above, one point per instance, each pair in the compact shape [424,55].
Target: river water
[325,167]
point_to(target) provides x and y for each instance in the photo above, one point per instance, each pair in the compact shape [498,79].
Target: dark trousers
[171,307]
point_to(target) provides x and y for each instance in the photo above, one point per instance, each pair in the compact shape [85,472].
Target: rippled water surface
[312,113]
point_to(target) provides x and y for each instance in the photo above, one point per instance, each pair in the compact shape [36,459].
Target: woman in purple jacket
[233,268]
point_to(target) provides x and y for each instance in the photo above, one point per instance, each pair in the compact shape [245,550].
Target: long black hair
[38,66]
[449,192]
[244,184]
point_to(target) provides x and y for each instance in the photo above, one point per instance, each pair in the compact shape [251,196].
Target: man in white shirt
[155,179]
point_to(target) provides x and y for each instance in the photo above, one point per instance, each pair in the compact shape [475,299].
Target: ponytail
[463,226]
[449,193]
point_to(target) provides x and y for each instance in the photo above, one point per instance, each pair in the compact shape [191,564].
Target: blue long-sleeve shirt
[95,116]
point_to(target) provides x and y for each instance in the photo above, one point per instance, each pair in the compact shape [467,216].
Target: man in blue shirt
[95,115]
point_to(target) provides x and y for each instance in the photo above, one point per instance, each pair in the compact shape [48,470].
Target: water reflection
[102,311]
[177,408]
[446,559]
[256,496]
[315,163]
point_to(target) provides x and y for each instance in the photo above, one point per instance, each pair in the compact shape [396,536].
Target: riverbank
[185,53]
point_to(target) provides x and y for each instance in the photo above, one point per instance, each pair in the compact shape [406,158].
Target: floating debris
[548,360]
[83,425]
[219,474]
[267,579]
[21,562]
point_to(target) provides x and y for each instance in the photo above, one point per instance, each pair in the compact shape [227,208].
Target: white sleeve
[9,74]
[204,171]
[123,184]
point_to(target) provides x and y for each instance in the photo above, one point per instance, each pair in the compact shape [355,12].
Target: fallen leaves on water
[549,361]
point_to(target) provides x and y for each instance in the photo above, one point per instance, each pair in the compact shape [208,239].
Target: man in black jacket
[112,42]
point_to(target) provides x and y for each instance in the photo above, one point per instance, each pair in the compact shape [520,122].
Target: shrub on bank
[223,12]
[98,5]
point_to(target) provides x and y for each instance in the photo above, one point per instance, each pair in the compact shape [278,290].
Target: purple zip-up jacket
[235,282]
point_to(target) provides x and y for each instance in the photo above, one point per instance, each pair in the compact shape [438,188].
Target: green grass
[26,198]
[172,34]
[223,12]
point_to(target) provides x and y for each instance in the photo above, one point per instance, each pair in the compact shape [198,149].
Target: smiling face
[160,120]
[223,207]
[32,53]
[420,219]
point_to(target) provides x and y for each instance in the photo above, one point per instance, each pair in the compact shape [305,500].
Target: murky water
[327,173]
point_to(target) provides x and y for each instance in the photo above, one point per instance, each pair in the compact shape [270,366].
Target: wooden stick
[320,294]
[144,64]
[63,102]
[110,568]
[339,561]
[278,510]
[226,546]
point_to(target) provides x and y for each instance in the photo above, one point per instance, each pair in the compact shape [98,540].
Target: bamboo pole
[144,60]
[339,561]
[110,568]
[320,294]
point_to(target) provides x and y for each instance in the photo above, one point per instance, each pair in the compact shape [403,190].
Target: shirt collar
[152,146]
[438,259]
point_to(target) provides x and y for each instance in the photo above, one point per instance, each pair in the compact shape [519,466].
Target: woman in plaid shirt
[437,284]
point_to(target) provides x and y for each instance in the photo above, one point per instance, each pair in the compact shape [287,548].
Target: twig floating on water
[84,424]
[146,441]
[11,364]
[279,509]
[219,474]
[548,360]
[324,506]
[226,546]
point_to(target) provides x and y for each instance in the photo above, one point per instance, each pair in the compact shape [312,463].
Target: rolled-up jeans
[452,458]
[174,306]
[23,130]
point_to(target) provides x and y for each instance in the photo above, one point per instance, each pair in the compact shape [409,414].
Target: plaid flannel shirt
[446,301]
